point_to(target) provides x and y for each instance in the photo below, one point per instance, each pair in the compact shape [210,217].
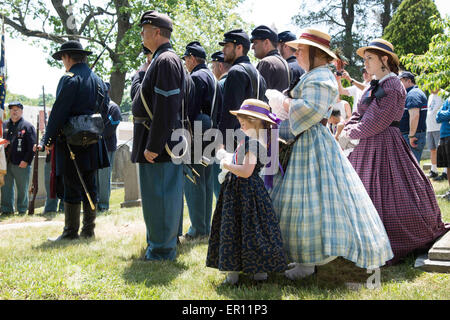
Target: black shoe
[89,216]
[433,175]
[442,177]
[7,214]
[71,223]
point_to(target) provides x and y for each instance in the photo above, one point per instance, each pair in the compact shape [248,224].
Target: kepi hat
[286,36]
[262,33]
[217,56]
[257,109]
[315,38]
[70,46]
[381,45]
[156,19]
[237,36]
[195,49]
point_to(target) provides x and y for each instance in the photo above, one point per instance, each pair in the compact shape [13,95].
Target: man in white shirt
[356,89]
[433,135]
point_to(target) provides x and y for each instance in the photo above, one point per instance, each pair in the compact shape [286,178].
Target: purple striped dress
[400,191]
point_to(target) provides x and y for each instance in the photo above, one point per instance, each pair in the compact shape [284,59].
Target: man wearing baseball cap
[242,81]
[413,124]
[21,137]
[272,66]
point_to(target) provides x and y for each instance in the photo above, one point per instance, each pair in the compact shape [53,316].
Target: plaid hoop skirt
[323,207]
[399,189]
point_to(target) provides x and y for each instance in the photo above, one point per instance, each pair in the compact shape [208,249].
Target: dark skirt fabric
[245,233]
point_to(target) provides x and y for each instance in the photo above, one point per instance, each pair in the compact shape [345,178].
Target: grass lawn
[111,267]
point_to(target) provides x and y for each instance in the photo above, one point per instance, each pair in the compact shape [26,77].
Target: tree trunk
[117,82]
[117,79]
[348,15]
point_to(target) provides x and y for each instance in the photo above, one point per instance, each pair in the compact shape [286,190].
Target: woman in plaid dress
[399,189]
[324,210]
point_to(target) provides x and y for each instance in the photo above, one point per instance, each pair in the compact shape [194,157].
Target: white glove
[347,144]
[276,99]
[221,176]
[221,154]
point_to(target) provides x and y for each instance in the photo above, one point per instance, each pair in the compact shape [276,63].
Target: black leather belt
[395,124]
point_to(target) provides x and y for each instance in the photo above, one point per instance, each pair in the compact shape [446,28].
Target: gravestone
[438,259]
[132,196]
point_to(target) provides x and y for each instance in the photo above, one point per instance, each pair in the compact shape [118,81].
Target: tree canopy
[90,21]
[410,29]
[433,67]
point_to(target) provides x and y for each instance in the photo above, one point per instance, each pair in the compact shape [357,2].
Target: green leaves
[433,66]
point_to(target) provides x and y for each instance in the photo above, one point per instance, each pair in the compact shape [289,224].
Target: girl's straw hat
[381,45]
[315,38]
[257,109]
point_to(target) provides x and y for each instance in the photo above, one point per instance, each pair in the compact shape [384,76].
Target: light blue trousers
[104,184]
[162,199]
[21,178]
[199,198]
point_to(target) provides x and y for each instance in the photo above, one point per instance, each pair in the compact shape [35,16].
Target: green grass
[111,267]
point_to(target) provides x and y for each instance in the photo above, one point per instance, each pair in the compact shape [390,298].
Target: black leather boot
[88,221]
[72,222]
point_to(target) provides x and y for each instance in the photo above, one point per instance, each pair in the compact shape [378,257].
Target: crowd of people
[352,188]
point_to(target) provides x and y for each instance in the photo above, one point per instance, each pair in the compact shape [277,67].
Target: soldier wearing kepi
[288,54]
[156,108]
[80,92]
[220,69]
[272,66]
[242,81]
[21,136]
[203,110]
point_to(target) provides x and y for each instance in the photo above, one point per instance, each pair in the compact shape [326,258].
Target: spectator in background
[336,123]
[413,123]
[443,151]
[21,137]
[109,135]
[356,89]
[433,134]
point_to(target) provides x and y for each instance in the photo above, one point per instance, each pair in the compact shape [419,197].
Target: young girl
[245,235]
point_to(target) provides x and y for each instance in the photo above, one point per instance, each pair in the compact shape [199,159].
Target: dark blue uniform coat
[76,95]
[162,88]
[22,137]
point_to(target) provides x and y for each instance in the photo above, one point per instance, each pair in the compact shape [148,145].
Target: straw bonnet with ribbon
[381,45]
[315,38]
[259,109]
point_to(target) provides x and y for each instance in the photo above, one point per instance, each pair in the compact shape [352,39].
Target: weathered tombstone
[438,259]
[132,196]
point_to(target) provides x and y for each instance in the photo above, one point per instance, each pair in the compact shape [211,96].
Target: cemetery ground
[112,267]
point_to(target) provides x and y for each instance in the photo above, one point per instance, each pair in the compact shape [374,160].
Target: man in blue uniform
[242,81]
[113,118]
[21,137]
[413,124]
[287,53]
[220,69]
[80,92]
[272,66]
[203,111]
[156,108]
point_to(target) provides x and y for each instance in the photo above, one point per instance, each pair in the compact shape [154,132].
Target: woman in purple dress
[400,191]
